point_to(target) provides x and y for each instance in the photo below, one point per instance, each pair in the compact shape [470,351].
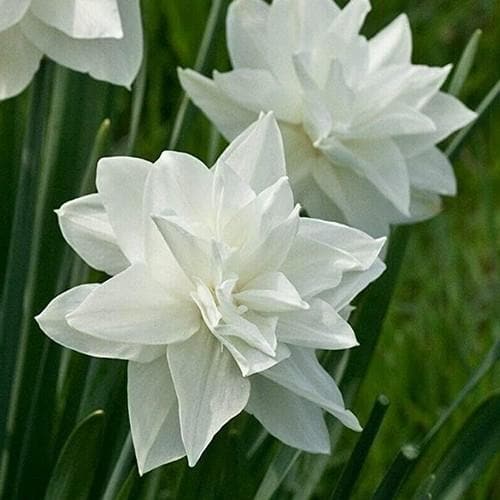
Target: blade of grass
[465,64]
[352,470]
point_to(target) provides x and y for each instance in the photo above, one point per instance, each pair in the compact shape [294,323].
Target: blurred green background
[446,310]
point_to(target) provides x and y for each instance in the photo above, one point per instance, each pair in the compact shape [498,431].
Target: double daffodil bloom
[99,37]
[360,122]
[220,293]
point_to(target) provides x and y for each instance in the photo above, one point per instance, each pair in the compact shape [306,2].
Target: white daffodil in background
[99,37]
[360,122]
[219,297]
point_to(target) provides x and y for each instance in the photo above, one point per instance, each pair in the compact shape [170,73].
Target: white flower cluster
[220,292]
[360,122]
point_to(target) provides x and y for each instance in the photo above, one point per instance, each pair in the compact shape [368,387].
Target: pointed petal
[270,292]
[352,283]
[321,327]
[229,117]
[392,45]
[258,90]
[350,20]
[432,171]
[246,33]
[357,244]
[181,184]
[302,374]
[304,426]
[12,12]
[209,388]
[115,61]
[120,182]
[81,18]
[448,114]
[52,321]
[133,307]
[381,162]
[257,154]
[153,414]
[19,60]
[85,226]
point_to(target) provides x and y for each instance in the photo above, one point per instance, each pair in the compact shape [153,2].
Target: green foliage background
[445,313]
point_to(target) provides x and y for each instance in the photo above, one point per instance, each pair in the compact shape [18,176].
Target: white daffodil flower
[360,122]
[220,295]
[99,37]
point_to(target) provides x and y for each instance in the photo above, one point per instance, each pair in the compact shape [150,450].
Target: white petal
[229,117]
[270,292]
[249,359]
[85,226]
[193,254]
[432,171]
[52,321]
[302,374]
[120,182]
[133,307]
[12,12]
[381,162]
[352,283]
[348,23]
[153,414]
[371,213]
[272,251]
[246,33]
[115,61]
[19,61]
[448,114]
[182,184]
[304,426]
[392,45]
[81,18]
[321,327]
[209,388]
[424,205]
[357,244]
[258,90]
[257,154]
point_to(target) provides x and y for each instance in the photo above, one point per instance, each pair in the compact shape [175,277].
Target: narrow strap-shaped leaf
[75,468]
[397,472]
[202,59]
[488,100]
[352,470]
[475,444]
[465,64]
[121,470]
[17,269]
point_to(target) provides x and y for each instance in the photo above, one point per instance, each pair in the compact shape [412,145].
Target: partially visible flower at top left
[99,37]
[220,295]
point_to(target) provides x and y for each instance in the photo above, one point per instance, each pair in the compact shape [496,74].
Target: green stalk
[121,470]
[17,270]
[352,470]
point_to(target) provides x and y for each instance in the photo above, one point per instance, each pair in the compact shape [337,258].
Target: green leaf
[75,468]
[475,444]
[488,100]
[121,470]
[465,64]
[352,470]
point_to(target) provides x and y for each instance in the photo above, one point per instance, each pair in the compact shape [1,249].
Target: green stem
[121,470]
